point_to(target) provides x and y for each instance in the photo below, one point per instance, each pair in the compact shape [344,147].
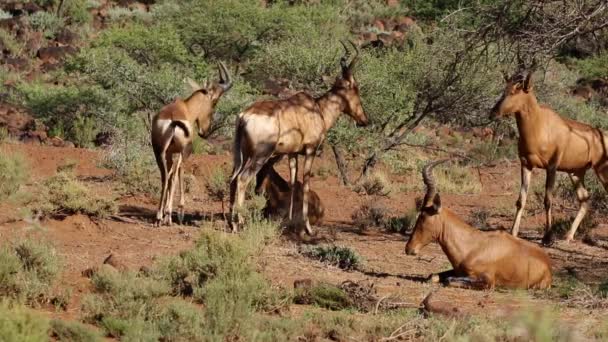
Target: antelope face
[211,96]
[515,96]
[348,89]
[427,227]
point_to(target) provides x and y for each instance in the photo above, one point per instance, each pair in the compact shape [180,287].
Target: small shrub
[84,131]
[479,218]
[324,295]
[46,22]
[457,179]
[369,215]
[62,194]
[13,174]
[10,43]
[18,324]
[342,257]
[28,270]
[181,320]
[488,152]
[564,287]
[3,134]
[402,224]
[217,186]
[73,331]
[5,15]
[375,184]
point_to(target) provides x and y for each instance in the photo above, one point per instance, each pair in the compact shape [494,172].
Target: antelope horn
[352,62]
[225,79]
[344,57]
[429,180]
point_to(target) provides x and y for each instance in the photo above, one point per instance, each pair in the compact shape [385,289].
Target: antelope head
[209,95]
[429,222]
[347,88]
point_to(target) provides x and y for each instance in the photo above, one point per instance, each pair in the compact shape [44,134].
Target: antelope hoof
[180,216]
[309,229]
[548,239]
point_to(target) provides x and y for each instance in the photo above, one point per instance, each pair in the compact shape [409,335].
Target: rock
[407,21]
[11,24]
[90,272]
[67,37]
[386,39]
[34,41]
[379,24]
[303,283]
[114,262]
[15,63]
[55,53]
[103,139]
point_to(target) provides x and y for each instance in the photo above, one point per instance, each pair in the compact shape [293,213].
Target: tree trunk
[342,168]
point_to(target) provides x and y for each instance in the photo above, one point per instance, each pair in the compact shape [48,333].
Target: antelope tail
[181,125]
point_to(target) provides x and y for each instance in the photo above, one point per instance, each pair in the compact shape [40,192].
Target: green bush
[62,194]
[69,109]
[324,295]
[46,22]
[76,11]
[28,270]
[73,332]
[593,67]
[10,43]
[342,257]
[13,173]
[18,324]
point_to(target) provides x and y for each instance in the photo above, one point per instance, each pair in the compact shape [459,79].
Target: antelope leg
[161,160]
[306,189]
[578,181]
[526,175]
[293,174]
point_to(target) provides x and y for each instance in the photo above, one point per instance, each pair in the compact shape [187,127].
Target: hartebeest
[479,259]
[278,196]
[267,130]
[172,133]
[548,141]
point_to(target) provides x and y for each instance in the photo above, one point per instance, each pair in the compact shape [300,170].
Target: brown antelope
[278,195]
[172,133]
[267,130]
[548,141]
[479,259]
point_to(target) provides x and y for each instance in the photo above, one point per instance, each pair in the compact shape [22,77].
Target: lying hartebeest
[553,143]
[267,130]
[480,259]
[172,133]
[278,196]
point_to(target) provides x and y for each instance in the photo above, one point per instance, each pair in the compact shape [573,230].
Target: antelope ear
[527,86]
[195,86]
[437,203]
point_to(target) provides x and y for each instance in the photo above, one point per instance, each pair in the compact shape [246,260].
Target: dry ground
[85,243]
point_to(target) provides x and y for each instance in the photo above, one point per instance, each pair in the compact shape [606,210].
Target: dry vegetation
[89,74]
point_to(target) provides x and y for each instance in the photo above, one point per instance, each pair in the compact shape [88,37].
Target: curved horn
[344,58]
[225,79]
[429,180]
[356,57]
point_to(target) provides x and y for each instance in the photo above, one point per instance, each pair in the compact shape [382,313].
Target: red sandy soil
[85,243]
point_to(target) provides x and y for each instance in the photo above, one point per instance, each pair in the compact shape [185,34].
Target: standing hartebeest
[548,141]
[267,130]
[172,133]
[479,259]
[278,196]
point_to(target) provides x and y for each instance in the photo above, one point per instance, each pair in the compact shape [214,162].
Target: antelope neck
[194,103]
[331,106]
[456,239]
[528,112]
